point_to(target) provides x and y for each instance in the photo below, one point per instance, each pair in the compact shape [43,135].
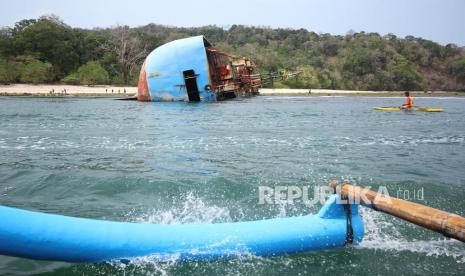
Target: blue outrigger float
[61,238]
[338,223]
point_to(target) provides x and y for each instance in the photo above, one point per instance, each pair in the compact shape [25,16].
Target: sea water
[205,162]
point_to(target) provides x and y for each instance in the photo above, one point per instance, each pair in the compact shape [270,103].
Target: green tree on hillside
[36,71]
[93,73]
[7,72]
[72,78]
[50,40]
[405,77]
[306,79]
[7,48]
[457,68]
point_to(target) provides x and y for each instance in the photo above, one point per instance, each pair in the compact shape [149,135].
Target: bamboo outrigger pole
[450,225]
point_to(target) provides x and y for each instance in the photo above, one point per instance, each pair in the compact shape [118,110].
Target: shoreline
[58,90]
[327,92]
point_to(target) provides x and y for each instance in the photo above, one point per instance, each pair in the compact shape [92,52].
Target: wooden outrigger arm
[448,224]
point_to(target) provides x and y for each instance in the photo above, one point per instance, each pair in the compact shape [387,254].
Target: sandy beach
[58,90]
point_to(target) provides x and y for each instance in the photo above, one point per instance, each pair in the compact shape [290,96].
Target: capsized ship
[191,69]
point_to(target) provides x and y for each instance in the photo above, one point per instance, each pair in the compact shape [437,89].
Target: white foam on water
[163,265]
[148,265]
[413,141]
[193,210]
[114,144]
[383,235]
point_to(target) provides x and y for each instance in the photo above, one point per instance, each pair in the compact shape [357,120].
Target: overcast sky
[442,20]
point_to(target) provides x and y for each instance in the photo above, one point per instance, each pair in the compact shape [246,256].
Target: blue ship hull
[60,238]
[162,72]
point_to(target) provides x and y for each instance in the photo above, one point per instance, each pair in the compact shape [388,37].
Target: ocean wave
[413,141]
[188,147]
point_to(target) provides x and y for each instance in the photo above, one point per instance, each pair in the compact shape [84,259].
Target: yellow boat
[415,108]
[387,108]
[430,109]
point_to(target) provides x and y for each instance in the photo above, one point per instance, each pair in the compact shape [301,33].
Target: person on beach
[409,103]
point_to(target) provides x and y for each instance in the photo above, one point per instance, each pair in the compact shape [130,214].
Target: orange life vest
[409,101]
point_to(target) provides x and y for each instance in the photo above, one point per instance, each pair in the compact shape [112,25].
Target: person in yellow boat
[409,103]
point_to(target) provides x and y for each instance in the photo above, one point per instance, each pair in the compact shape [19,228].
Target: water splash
[192,210]
[381,234]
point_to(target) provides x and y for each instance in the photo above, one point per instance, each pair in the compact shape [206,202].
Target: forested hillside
[47,50]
